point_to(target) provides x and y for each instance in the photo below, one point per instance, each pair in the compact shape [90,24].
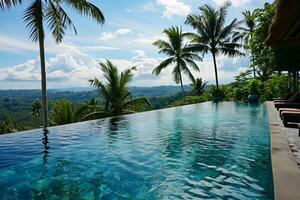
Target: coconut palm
[179,55]
[115,91]
[249,22]
[54,15]
[91,109]
[248,30]
[63,112]
[198,86]
[213,35]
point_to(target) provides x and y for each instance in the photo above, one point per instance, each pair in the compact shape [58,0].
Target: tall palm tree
[53,14]
[248,30]
[179,55]
[212,35]
[118,99]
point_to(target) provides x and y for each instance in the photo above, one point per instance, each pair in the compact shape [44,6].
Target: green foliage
[275,87]
[224,93]
[63,112]
[253,86]
[179,54]
[242,78]
[36,109]
[118,99]
[262,55]
[89,110]
[7,127]
[189,100]
[198,86]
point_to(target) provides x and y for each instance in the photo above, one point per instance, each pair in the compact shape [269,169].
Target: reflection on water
[46,146]
[204,151]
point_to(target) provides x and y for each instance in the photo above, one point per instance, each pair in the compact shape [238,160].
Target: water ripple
[203,151]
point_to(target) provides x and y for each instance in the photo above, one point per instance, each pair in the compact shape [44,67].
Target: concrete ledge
[286,174]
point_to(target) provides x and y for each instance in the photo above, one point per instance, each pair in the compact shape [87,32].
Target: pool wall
[286,174]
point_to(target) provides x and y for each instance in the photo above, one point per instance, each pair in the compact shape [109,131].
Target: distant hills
[77,95]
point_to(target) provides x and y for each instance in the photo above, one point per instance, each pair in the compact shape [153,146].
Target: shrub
[253,86]
[275,87]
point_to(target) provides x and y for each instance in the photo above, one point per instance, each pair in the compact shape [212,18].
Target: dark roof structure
[285,30]
[284,34]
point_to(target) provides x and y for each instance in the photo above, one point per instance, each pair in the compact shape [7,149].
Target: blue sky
[126,38]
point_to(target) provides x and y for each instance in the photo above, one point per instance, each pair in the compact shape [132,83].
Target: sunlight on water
[203,151]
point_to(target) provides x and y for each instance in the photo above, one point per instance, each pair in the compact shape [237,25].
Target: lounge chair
[290,117]
[280,110]
[293,102]
[287,105]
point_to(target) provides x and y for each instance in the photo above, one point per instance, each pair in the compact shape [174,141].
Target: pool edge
[286,174]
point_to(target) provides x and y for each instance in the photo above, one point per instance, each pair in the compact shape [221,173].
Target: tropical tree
[115,91]
[36,109]
[91,109]
[213,35]
[63,112]
[54,15]
[262,56]
[248,31]
[249,22]
[198,86]
[179,55]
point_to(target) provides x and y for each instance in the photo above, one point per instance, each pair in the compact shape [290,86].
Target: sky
[131,26]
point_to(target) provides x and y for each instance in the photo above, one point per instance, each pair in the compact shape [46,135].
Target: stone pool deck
[285,147]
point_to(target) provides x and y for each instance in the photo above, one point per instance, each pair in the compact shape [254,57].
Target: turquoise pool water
[202,151]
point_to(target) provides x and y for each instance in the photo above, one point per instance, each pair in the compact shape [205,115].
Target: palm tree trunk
[181,83]
[43,80]
[254,72]
[216,70]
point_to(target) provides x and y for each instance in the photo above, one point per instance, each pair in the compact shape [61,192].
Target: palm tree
[91,109]
[118,99]
[198,86]
[63,112]
[36,109]
[179,54]
[248,30]
[213,35]
[52,13]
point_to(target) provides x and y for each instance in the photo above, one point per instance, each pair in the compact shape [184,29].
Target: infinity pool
[202,151]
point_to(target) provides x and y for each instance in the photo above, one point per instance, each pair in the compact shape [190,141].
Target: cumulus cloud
[234,3]
[174,7]
[112,35]
[72,67]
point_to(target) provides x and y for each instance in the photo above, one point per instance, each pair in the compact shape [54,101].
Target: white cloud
[14,45]
[235,3]
[174,7]
[112,35]
[72,67]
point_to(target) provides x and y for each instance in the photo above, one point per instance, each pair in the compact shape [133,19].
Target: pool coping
[286,174]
